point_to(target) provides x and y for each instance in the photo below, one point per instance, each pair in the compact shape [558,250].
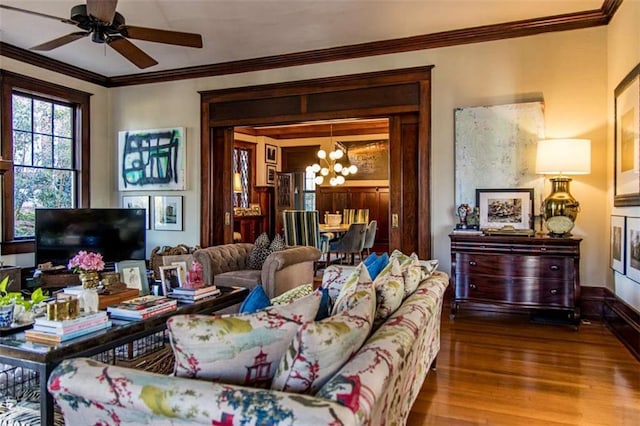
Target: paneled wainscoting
[498,368]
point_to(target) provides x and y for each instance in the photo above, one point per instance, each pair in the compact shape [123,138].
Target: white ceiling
[245,29]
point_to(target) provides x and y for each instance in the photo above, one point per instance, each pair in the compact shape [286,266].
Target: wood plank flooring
[502,369]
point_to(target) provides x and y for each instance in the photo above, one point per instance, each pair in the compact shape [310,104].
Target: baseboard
[623,321]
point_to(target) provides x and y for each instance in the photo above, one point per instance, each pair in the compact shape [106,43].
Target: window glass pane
[21,113]
[22,148]
[62,153]
[309,200]
[62,125]
[42,151]
[42,116]
[34,188]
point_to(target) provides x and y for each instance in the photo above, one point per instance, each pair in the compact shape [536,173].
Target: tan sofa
[283,270]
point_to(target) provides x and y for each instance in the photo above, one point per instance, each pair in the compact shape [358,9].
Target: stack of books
[190,295]
[142,307]
[52,331]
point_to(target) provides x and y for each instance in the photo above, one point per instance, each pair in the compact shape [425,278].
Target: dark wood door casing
[403,96]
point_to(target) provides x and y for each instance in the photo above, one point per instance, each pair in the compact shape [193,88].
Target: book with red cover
[141,307]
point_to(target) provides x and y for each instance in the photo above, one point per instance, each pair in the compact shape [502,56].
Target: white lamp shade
[564,157]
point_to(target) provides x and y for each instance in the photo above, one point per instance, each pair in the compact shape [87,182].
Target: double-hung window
[45,136]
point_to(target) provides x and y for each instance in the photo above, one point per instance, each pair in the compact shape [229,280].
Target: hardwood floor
[501,369]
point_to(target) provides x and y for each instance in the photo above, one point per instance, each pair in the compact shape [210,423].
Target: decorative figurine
[194,276]
[462,213]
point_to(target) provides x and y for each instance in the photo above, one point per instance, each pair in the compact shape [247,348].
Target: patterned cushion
[277,244]
[389,287]
[334,278]
[344,299]
[259,252]
[225,348]
[293,294]
[320,348]
[412,271]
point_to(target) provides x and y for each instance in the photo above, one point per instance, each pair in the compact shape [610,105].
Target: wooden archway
[403,96]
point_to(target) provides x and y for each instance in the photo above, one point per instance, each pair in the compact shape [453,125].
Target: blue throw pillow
[370,259]
[378,265]
[255,301]
[324,310]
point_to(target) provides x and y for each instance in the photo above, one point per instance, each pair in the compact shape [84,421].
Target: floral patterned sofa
[376,386]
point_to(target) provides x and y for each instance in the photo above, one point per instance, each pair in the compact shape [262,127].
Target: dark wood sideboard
[523,272]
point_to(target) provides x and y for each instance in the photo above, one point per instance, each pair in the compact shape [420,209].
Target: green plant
[15,297]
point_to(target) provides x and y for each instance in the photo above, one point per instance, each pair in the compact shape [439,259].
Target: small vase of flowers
[88,264]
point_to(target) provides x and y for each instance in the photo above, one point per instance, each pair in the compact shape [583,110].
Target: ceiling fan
[99,19]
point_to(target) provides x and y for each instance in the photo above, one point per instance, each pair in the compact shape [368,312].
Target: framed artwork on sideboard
[505,207]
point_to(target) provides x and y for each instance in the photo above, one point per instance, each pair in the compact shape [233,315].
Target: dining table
[334,229]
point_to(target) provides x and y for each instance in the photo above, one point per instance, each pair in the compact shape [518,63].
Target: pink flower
[84,261]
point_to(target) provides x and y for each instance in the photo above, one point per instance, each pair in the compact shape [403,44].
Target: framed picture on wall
[617,243]
[167,213]
[632,255]
[505,207]
[270,153]
[138,202]
[627,140]
[271,174]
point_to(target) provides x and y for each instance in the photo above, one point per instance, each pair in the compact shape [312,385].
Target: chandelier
[330,167]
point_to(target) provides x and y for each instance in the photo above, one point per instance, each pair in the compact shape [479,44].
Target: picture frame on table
[170,278]
[632,247]
[270,154]
[627,140]
[134,274]
[271,174]
[618,235]
[183,260]
[512,207]
[167,213]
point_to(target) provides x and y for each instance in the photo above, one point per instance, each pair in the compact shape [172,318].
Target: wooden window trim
[81,101]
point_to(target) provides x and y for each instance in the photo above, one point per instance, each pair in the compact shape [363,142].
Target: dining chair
[355,216]
[302,228]
[370,236]
[351,243]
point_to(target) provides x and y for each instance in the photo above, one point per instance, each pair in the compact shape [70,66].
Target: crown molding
[527,27]
[29,57]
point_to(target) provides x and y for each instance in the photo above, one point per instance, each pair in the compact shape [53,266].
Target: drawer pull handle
[554,291]
[473,286]
[473,263]
[554,268]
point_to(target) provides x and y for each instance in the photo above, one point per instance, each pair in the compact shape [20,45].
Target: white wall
[623,55]
[568,70]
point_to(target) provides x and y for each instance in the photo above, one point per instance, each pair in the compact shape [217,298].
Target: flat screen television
[117,234]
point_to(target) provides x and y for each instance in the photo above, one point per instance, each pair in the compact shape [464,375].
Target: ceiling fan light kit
[99,19]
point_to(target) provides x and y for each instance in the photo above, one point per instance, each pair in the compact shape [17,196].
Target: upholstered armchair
[227,265]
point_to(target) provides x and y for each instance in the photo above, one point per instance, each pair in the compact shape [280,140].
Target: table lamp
[562,157]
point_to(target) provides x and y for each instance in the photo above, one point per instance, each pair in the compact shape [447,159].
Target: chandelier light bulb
[309,169]
[316,168]
[322,154]
[345,171]
[353,169]
[337,167]
[333,181]
[338,154]
[324,171]
[332,155]
[340,180]
[318,180]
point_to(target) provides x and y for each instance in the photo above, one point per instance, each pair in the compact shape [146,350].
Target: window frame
[80,101]
[251,149]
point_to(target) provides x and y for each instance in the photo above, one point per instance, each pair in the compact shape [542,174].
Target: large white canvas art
[151,159]
[495,147]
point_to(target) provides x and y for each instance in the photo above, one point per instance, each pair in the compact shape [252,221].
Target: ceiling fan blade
[104,10]
[60,41]
[161,36]
[131,52]
[43,15]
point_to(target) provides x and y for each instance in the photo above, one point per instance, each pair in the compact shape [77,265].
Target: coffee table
[43,358]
